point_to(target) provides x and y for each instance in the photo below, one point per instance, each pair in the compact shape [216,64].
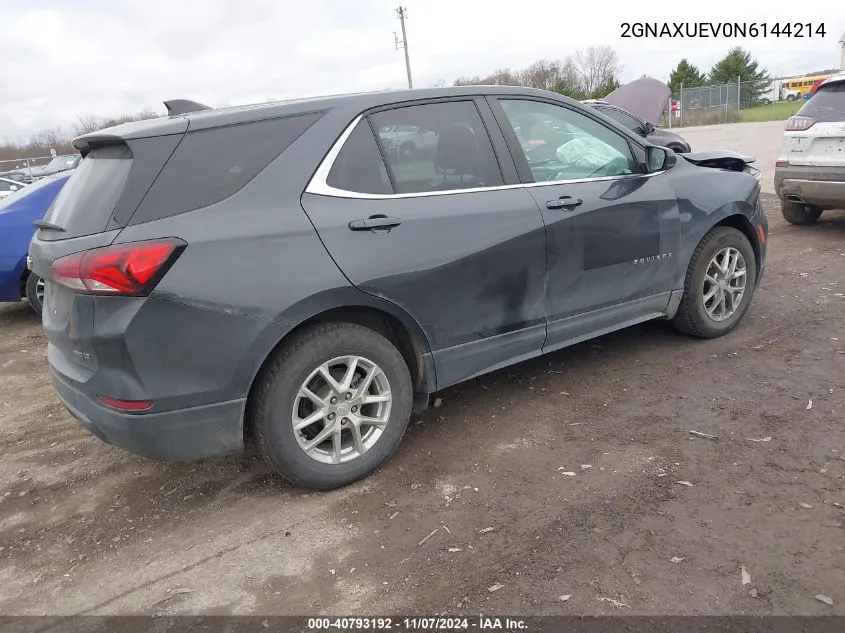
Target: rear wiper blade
[42,224]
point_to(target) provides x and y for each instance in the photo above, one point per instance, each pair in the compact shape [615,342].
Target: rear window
[827,104]
[87,201]
[210,165]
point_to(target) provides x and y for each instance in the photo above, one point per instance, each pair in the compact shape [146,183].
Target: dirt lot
[88,529]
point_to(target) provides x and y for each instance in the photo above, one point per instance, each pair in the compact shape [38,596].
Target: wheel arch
[742,224]
[385,317]
[734,219]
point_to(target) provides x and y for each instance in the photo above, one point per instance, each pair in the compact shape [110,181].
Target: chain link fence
[23,168]
[717,103]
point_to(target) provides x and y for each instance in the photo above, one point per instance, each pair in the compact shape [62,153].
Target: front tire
[332,405]
[35,292]
[719,284]
[799,213]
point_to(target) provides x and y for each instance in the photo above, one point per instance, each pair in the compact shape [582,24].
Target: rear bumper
[820,186]
[194,433]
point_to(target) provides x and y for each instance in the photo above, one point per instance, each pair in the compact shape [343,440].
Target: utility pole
[402,12]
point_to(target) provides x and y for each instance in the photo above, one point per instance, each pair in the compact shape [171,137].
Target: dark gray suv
[278,272]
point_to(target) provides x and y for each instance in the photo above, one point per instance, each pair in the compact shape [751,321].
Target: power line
[402,12]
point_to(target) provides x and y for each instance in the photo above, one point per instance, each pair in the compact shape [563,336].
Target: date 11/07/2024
[457,623]
[722,29]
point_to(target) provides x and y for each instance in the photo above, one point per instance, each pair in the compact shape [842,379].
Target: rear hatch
[815,137]
[118,167]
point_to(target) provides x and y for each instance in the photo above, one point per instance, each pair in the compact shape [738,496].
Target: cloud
[104,57]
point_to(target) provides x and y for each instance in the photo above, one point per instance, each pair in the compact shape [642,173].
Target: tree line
[59,139]
[591,73]
[737,64]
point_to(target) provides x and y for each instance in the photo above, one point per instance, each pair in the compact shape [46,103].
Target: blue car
[18,212]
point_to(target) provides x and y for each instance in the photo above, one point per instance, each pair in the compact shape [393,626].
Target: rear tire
[698,312]
[284,398]
[799,213]
[35,292]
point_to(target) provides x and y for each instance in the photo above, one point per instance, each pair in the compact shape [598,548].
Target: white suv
[810,171]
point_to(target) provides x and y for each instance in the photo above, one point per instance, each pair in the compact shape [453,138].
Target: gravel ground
[572,474]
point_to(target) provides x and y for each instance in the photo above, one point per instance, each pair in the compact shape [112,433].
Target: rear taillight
[799,123]
[781,163]
[123,269]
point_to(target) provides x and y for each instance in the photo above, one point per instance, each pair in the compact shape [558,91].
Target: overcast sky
[63,58]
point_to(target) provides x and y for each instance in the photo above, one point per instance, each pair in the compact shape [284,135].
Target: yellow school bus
[797,87]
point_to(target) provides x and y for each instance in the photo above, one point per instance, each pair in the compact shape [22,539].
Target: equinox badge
[652,258]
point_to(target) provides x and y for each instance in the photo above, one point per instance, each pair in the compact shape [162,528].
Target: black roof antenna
[183,106]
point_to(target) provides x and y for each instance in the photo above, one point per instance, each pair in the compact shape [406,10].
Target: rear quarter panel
[253,270]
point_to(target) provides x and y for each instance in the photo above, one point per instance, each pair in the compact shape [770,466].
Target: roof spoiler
[183,106]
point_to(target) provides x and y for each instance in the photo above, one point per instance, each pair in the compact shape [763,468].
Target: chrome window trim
[318,185]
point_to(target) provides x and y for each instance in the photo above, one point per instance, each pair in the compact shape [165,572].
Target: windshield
[60,162]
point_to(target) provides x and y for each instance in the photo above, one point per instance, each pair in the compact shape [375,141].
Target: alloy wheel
[724,284]
[341,409]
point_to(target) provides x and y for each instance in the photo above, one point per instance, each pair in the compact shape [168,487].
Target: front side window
[562,144]
[436,147]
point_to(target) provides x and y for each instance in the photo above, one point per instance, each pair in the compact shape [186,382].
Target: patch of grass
[778,111]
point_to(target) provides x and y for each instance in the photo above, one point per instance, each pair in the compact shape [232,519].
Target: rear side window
[210,165]
[87,201]
[827,104]
[359,166]
[437,147]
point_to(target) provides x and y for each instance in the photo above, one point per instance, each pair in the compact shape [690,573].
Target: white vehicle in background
[810,171]
[408,140]
[777,91]
[9,186]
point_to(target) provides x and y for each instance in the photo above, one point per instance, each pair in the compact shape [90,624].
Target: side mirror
[659,158]
[647,129]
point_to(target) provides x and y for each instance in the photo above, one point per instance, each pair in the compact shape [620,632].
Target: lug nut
[331,416]
[345,420]
[333,400]
[349,396]
[354,409]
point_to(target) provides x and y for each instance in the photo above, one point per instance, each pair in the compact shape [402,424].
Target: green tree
[605,88]
[738,63]
[685,74]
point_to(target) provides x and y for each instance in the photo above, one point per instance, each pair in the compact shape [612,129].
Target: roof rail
[183,106]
